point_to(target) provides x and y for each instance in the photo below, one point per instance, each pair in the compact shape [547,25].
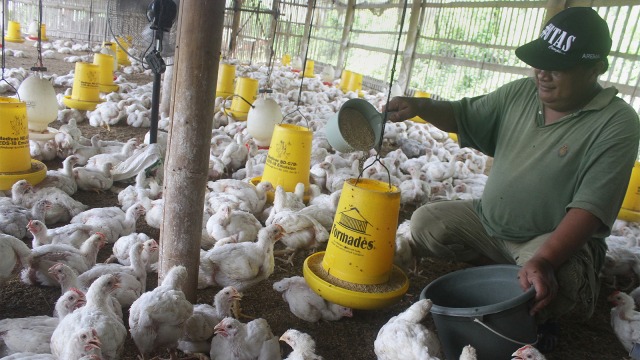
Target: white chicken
[61,178]
[14,218]
[243,264]
[70,234]
[68,280]
[305,304]
[121,250]
[133,278]
[98,161]
[33,333]
[92,179]
[227,221]
[303,345]
[95,314]
[84,344]
[63,206]
[242,196]
[158,317]
[528,352]
[237,341]
[469,353]
[301,232]
[111,221]
[199,328]
[14,254]
[625,321]
[45,256]
[404,337]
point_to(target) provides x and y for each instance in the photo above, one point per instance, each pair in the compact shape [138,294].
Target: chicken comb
[76,290]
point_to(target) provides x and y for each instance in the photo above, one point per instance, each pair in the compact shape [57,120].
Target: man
[563,151]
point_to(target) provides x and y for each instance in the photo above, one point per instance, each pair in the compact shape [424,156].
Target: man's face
[566,90]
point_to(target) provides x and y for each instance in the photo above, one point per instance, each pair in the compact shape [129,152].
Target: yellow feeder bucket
[43,34]
[630,210]
[355,82]
[289,158]
[308,69]
[85,94]
[13,32]
[15,159]
[345,77]
[224,84]
[246,92]
[105,79]
[121,55]
[357,268]
[286,60]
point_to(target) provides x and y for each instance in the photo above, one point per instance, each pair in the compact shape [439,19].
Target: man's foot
[548,334]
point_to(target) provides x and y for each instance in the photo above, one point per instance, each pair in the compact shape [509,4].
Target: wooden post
[186,165]
[554,7]
[410,48]
[344,41]
[274,29]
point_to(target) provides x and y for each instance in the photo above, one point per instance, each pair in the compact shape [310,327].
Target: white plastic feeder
[42,106]
[262,119]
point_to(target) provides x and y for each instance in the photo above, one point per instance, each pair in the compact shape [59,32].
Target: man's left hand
[539,273]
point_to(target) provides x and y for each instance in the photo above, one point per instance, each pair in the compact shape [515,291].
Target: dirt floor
[349,338]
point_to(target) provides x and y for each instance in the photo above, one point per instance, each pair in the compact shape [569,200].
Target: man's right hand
[401,108]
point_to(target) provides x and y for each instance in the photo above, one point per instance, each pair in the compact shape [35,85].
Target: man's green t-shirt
[539,171]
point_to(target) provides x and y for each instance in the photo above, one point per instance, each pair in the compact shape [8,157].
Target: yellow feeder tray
[237,115]
[80,104]
[35,175]
[453,136]
[351,298]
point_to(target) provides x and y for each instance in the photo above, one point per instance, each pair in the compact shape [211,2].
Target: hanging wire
[304,67]
[39,66]
[386,112]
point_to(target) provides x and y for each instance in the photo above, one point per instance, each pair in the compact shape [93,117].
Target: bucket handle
[477,320]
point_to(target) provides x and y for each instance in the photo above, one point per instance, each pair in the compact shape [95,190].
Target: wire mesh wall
[461,48]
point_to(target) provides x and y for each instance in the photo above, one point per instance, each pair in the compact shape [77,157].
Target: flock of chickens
[243,235]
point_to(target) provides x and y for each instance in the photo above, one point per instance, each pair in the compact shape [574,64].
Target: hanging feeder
[246,92]
[15,160]
[105,72]
[42,106]
[630,210]
[355,83]
[262,119]
[85,94]
[357,269]
[308,69]
[224,84]
[13,32]
[286,60]
[345,78]
[121,51]
[289,159]
[109,48]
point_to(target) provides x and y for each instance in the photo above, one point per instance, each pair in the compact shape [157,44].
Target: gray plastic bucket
[484,307]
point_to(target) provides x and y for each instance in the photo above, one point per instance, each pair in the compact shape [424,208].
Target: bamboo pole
[235,26]
[196,70]
[410,45]
[346,30]
[304,43]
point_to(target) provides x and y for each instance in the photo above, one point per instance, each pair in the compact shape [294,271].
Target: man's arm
[438,113]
